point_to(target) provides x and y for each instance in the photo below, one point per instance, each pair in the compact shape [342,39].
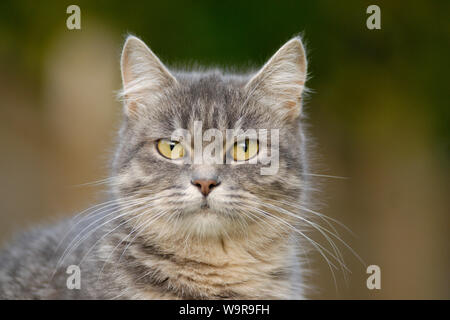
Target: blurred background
[378,110]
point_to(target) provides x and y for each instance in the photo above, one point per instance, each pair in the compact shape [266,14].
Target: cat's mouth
[204,205]
[207,206]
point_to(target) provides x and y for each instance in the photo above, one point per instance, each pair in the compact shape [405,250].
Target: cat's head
[160,176]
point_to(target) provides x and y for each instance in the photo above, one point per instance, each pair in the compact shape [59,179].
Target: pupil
[245,147]
[172,145]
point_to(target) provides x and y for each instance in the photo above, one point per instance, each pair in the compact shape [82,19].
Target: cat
[177,229]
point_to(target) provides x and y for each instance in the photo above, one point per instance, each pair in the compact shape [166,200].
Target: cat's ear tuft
[143,75]
[281,81]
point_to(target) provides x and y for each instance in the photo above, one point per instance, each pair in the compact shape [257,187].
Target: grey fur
[143,265]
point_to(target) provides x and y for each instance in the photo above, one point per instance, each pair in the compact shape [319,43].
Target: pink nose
[205,186]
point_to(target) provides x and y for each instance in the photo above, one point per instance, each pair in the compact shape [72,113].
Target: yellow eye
[244,150]
[170,149]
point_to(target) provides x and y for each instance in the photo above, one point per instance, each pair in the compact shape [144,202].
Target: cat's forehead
[216,101]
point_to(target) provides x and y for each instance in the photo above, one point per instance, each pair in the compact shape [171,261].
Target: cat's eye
[170,149]
[244,150]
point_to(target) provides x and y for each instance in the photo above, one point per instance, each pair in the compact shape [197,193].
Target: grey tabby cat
[179,230]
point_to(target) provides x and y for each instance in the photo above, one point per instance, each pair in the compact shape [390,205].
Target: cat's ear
[144,76]
[281,81]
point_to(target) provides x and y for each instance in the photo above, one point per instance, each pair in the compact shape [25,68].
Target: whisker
[105,235]
[95,183]
[99,208]
[147,222]
[72,246]
[320,227]
[317,214]
[269,215]
[318,247]
[324,176]
[322,230]
[142,227]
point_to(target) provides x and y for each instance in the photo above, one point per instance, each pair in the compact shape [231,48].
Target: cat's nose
[205,186]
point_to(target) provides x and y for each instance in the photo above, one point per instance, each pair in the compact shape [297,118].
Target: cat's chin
[206,218]
[205,222]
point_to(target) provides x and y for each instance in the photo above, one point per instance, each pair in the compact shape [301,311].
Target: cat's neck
[250,267]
